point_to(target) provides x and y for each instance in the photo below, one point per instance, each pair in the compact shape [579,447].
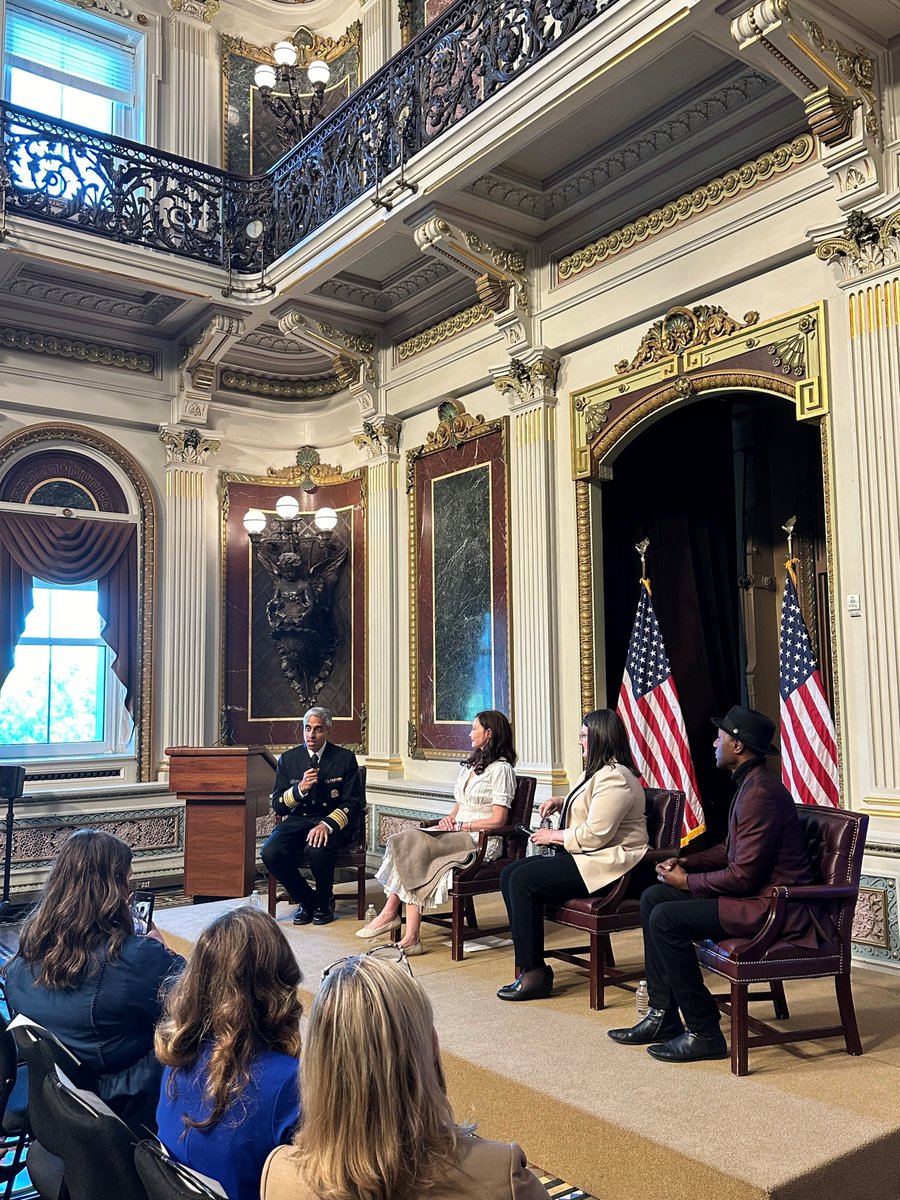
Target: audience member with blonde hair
[82,972]
[377,1123]
[230,1042]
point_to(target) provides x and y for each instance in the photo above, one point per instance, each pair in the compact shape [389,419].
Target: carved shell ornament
[683,329]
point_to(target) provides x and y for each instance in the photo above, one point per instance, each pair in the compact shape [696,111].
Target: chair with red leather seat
[480,878]
[353,858]
[836,841]
[619,907]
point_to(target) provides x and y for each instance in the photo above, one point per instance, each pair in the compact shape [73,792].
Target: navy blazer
[336,799]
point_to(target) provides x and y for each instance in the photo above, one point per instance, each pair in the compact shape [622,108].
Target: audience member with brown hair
[230,1042]
[417,865]
[82,972]
[377,1124]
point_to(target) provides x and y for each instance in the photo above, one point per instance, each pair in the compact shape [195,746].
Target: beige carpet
[808,1123]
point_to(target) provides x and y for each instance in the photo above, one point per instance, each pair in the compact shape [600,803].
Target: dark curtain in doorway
[675,485]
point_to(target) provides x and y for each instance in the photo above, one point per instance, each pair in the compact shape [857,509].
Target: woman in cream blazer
[602,834]
[377,1124]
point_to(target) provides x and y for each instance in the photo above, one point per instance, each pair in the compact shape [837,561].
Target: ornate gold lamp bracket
[352,354]
[692,350]
[201,352]
[837,78]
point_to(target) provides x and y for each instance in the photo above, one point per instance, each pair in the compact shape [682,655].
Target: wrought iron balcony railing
[122,190]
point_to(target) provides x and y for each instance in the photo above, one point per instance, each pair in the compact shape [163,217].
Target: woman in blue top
[82,972]
[230,1043]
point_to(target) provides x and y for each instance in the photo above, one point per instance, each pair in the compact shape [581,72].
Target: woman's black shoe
[534,991]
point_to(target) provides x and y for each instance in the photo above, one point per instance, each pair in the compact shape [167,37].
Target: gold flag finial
[788,528]
[641,548]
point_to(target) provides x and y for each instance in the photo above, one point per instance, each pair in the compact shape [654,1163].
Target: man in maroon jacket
[717,894]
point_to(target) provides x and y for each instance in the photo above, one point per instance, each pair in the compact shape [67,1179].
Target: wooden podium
[224,790]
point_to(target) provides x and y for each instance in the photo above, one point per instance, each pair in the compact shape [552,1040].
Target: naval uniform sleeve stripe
[289,797]
[340,818]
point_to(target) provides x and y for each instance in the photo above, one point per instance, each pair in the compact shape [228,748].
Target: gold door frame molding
[684,355]
[73,437]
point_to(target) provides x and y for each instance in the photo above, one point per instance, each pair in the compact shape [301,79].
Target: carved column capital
[380,436]
[530,379]
[199,10]
[187,447]
[866,244]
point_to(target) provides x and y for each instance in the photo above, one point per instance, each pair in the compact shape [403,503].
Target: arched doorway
[710,484]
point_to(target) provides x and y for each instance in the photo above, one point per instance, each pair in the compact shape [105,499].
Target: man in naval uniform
[318,791]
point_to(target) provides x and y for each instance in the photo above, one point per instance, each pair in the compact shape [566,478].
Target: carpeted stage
[808,1123]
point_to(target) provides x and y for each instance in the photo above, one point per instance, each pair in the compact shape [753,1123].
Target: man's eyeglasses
[392,954]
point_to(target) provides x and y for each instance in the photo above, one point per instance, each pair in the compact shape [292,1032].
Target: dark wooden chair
[352,858]
[836,840]
[480,878]
[619,908]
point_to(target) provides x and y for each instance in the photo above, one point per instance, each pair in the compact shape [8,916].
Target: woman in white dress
[483,794]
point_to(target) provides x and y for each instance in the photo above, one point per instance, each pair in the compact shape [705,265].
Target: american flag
[649,706]
[809,767]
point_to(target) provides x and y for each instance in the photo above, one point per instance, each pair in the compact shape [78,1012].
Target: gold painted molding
[74,436]
[66,347]
[745,178]
[282,387]
[796,348]
[585,595]
[468,318]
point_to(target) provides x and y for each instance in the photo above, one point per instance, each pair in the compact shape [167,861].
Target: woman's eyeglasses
[388,953]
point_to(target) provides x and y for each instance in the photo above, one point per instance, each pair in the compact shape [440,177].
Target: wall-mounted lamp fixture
[304,558]
[287,103]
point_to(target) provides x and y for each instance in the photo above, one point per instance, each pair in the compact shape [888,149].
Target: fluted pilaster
[190,113]
[535,635]
[381,438]
[875,358]
[380,34]
[188,670]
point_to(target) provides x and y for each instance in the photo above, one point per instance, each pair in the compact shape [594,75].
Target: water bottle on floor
[371,914]
[642,999]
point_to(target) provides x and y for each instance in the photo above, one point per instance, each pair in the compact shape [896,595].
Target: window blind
[65,53]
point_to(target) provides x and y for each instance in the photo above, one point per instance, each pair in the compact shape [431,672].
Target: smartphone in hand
[142,911]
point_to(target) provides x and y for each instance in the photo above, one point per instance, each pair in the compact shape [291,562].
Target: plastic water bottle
[642,999]
[547,851]
[255,900]
[371,914]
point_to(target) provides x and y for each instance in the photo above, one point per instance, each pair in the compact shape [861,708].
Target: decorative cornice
[380,436]
[279,387]
[261,339]
[309,472]
[115,8]
[352,354]
[704,112]
[744,178]
[392,295]
[858,69]
[206,347]
[201,10]
[148,313]
[683,329]
[867,244]
[187,445]
[89,352]
[448,328]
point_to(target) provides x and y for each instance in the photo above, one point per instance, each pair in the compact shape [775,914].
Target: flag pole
[642,548]
[788,528]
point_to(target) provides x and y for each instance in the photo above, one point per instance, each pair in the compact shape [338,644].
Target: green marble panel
[463,600]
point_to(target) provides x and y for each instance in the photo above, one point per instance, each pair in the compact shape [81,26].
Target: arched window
[74,525]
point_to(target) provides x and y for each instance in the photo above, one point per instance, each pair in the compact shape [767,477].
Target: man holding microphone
[318,791]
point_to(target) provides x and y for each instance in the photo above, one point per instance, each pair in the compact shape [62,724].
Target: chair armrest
[809,892]
[661,855]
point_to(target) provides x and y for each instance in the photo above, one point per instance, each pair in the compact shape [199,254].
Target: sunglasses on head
[392,954]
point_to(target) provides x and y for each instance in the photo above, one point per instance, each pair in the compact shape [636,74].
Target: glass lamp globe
[325,519]
[254,520]
[264,76]
[285,54]
[287,507]
[318,72]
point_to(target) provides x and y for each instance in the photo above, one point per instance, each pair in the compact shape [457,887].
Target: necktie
[314,761]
